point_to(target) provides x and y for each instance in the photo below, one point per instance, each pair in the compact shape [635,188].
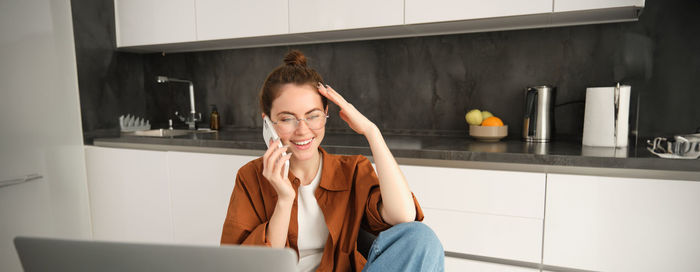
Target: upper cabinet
[325,15]
[226,19]
[577,5]
[424,11]
[193,25]
[145,22]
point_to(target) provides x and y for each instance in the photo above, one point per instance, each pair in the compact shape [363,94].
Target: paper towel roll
[599,117]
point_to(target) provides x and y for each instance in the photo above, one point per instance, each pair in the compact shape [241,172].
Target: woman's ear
[262,115]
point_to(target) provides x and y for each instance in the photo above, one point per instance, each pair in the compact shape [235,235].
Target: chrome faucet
[193,117]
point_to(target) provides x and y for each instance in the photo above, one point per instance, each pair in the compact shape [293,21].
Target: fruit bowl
[488,133]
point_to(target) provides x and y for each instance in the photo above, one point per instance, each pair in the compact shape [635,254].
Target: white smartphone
[269,133]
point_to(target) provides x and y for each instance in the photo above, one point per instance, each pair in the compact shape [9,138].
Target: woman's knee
[420,234]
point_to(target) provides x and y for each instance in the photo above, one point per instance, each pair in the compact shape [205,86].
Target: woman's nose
[302,127]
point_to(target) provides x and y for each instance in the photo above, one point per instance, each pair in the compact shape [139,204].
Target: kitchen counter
[448,150]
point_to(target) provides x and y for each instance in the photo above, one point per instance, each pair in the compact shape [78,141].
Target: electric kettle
[538,121]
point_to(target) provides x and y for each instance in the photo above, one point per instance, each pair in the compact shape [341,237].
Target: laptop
[48,254]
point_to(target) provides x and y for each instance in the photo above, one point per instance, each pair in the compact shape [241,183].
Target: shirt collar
[333,175]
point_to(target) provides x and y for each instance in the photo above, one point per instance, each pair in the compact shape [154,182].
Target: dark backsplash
[412,84]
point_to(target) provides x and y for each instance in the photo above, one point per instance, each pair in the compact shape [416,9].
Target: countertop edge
[481,165]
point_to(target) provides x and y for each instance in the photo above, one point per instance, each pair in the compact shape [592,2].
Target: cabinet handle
[8,182]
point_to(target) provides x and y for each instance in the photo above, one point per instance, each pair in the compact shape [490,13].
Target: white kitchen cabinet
[223,19]
[129,194]
[144,22]
[506,193]
[622,224]
[201,186]
[160,196]
[424,11]
[505,237]
[482,212]
[325,15]
[578,5]
[193,25]
[453,264]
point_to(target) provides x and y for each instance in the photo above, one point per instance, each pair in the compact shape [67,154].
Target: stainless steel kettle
[538,122]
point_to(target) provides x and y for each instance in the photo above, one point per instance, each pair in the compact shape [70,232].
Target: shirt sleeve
[373,220]
[243,225]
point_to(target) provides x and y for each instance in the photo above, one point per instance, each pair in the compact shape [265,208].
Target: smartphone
[269,133]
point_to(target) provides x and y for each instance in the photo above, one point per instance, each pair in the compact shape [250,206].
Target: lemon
[474,117]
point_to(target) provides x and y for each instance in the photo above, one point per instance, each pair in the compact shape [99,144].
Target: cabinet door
[142,22]
[482,212]
[575,5]
[505,237]
[458,265]
[424,11]
[223,19]
[622,224]
[129,194]
[201,186]
[508,193]
[324,15]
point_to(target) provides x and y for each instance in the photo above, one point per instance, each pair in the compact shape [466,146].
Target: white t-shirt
[313,231]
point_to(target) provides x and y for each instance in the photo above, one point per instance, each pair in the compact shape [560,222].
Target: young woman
[326,199]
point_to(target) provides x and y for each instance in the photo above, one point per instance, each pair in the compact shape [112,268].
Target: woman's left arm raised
[397,201]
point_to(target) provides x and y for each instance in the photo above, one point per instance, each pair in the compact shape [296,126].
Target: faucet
[193,117]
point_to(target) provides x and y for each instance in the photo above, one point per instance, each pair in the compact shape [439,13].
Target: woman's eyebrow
[312,110]
[291,113]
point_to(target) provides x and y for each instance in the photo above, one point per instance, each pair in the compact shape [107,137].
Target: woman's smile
[302,144]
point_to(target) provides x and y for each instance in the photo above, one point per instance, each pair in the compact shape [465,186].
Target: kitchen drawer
[506,237]
[480,191]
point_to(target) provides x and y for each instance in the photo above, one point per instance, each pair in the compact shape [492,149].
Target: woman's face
[299,102]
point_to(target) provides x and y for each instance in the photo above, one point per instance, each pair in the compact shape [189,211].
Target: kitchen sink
[167,132]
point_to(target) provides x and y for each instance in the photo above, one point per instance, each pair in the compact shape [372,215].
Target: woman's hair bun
[295,57]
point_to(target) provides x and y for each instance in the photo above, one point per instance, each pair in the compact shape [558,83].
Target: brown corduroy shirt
[348,195]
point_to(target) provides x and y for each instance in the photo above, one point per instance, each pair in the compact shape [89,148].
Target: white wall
[40,129]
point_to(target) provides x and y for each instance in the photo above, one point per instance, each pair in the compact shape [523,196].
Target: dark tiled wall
[111,83]
[422,83]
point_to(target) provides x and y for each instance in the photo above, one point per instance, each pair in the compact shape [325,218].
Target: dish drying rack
[130,123]
[679,147]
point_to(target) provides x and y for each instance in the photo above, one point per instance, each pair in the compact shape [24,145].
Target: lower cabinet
[489,213]
[129,195]
[622,224]
[505,237]
[159,196]
[201,186]
[590,222]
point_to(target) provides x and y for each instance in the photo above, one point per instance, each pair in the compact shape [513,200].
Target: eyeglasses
[314,120]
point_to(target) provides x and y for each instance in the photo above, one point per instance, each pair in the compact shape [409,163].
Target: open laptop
[47,254]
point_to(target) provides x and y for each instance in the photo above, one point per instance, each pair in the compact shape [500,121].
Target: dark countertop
[442,149]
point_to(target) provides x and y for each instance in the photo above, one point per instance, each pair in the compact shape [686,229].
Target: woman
[319,209]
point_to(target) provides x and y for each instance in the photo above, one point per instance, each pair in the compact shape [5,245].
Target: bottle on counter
[214,118]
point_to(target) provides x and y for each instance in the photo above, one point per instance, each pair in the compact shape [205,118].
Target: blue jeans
[411,246]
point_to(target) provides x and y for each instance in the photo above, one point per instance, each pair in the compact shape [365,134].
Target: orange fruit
[492,121]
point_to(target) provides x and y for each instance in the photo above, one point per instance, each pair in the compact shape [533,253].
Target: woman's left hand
[358,122]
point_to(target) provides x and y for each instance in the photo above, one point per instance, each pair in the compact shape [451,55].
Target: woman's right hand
[273,171]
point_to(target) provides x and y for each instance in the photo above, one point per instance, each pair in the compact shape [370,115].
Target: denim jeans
[411,246]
